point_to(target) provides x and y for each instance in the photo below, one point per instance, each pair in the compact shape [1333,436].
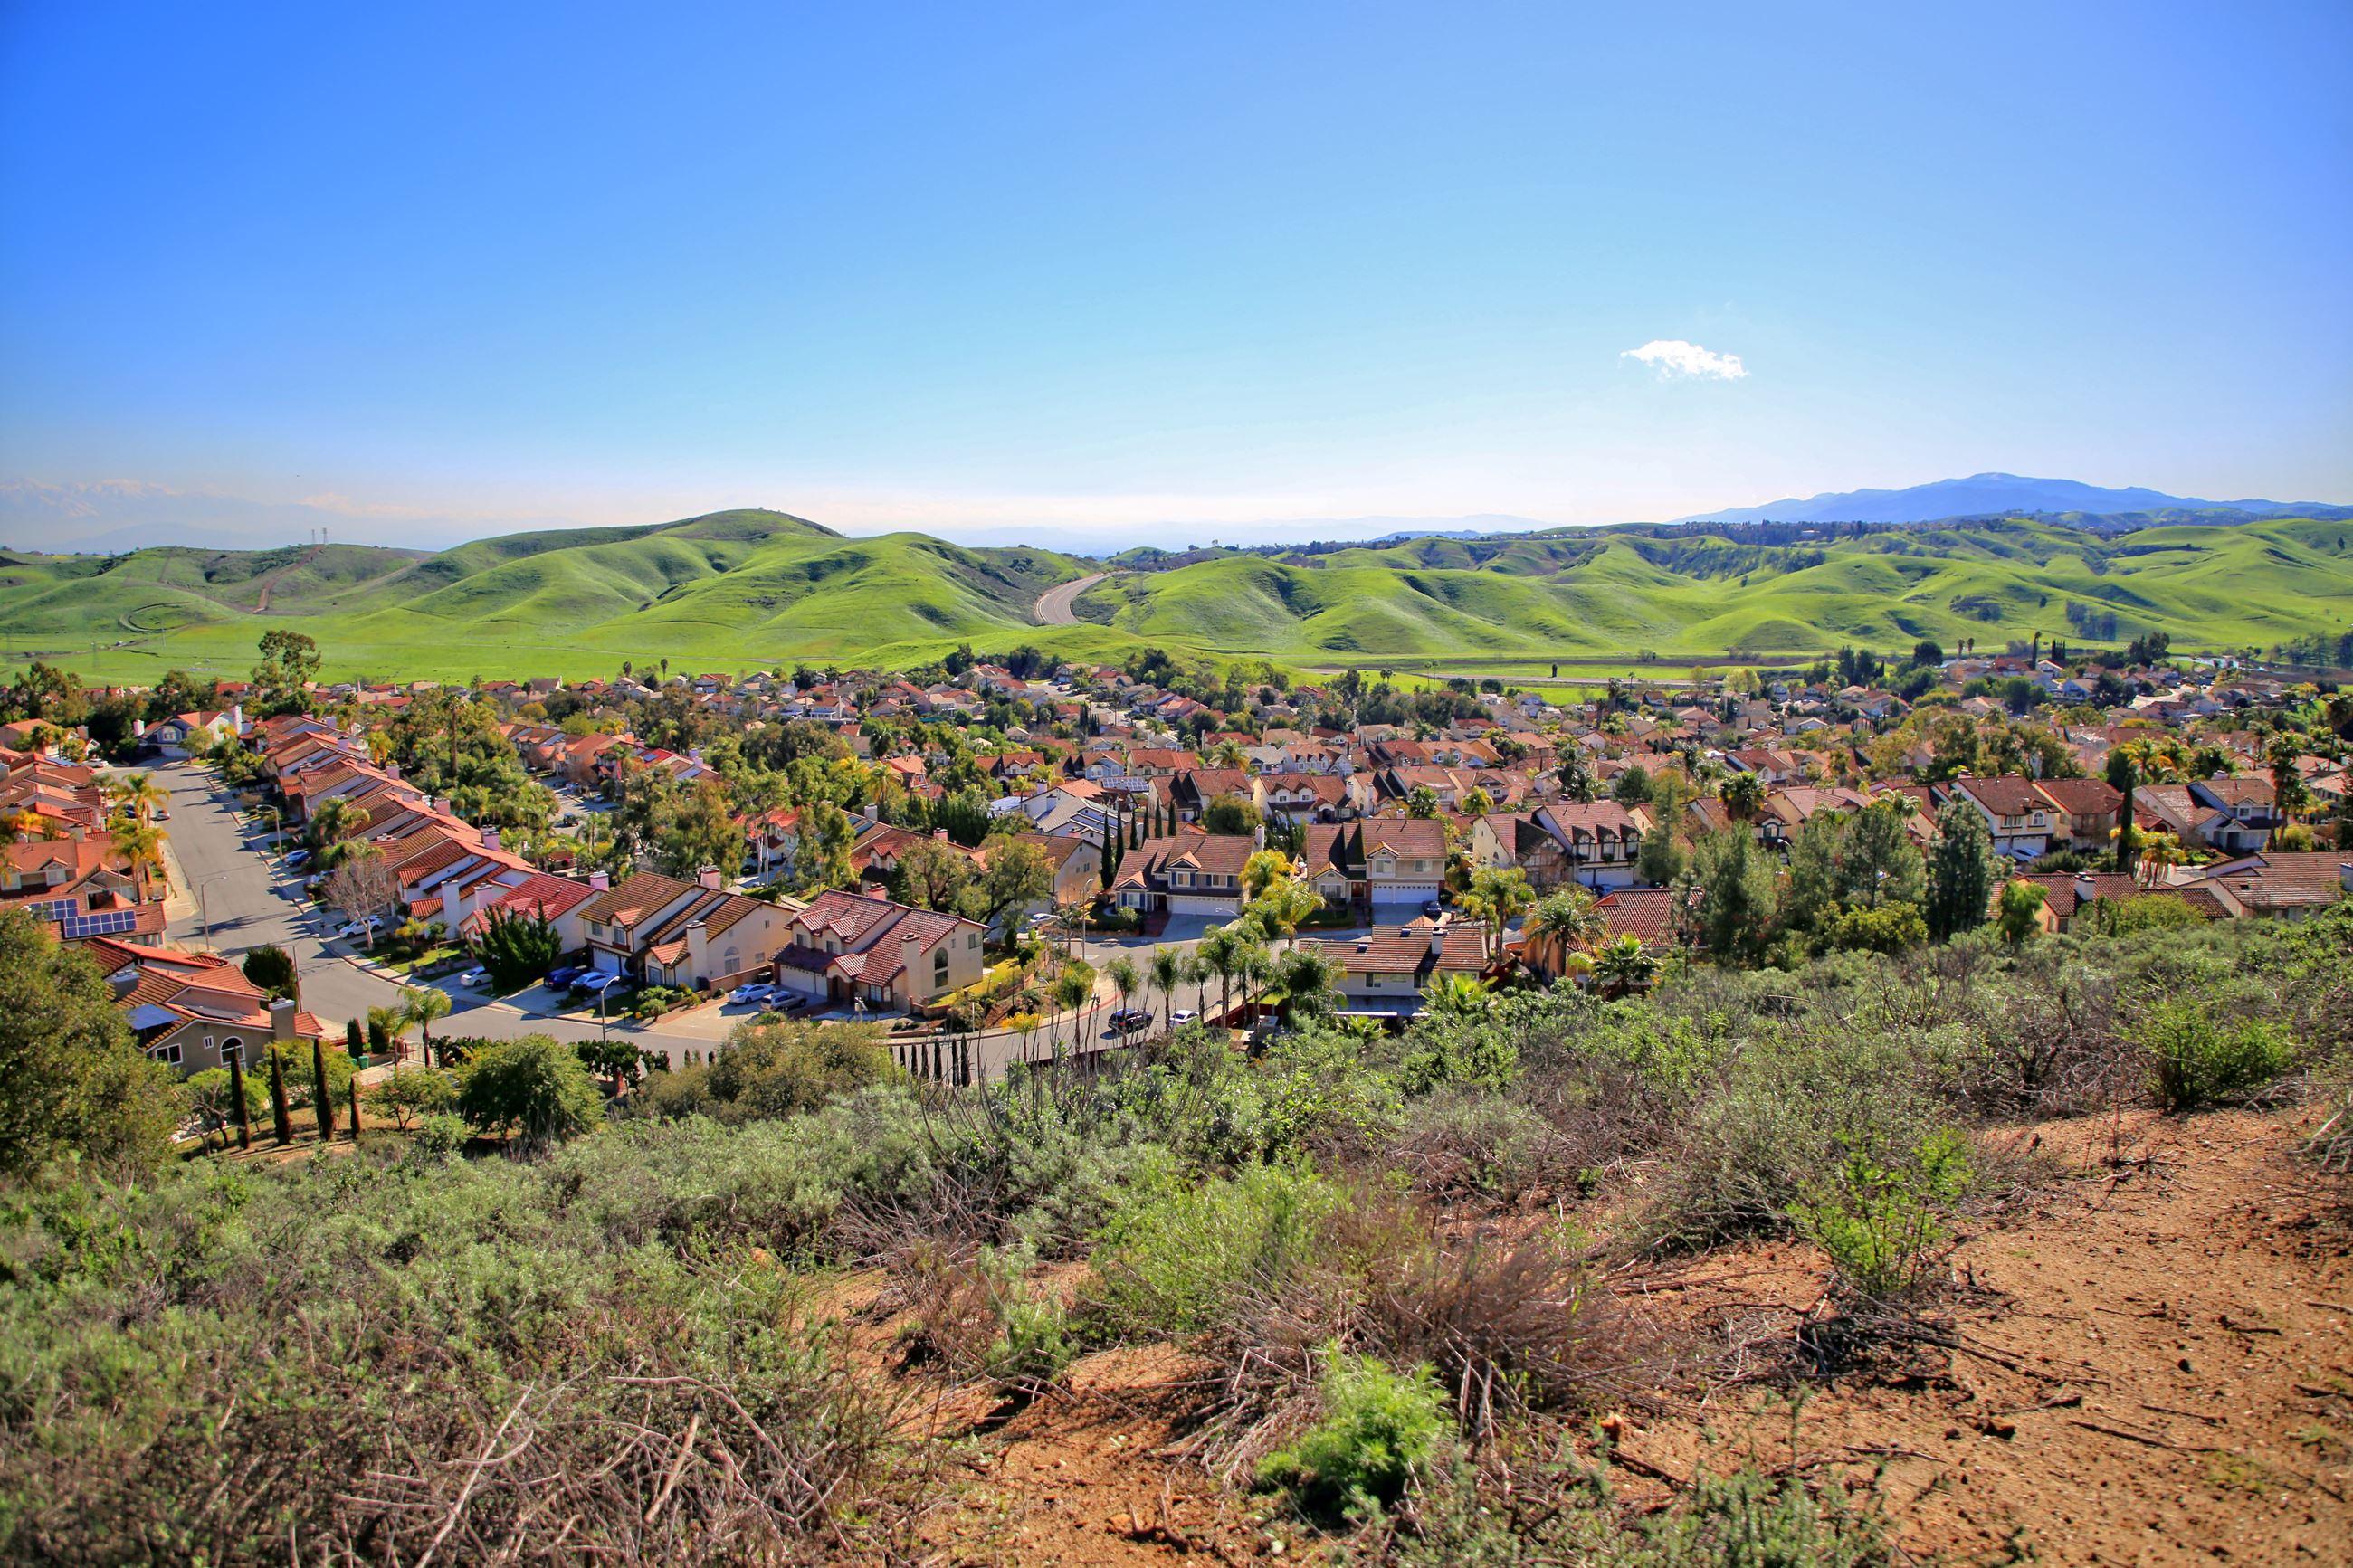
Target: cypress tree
[282,1126]
[319,1096]
[355,1044]
[1960,872]
[355,1108]
[236,1094]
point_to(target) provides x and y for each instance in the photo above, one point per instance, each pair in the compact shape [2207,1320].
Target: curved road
[1055,606]
[249,900]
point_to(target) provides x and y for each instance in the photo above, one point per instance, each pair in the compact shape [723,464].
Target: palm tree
[143,848]
[332,822]
[1500,894]
[1126,978]
[390,1023]
[1286,906]
[1167,969]
[1456,992]
[421,1004]
[139,794]
[1567,924]
[1219,954]
[1072,987]
[1625,965]
[1744,796]
[1254,967]
[1306,978]
[1227,754]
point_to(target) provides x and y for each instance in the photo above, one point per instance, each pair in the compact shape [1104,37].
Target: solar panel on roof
[60,908]
[106,922]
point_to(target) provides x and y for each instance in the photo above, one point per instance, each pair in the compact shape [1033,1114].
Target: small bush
[1381,1432]
[1880,1220]
[440,1134]
[1743,1521]
[2197,1059]
[1180,1260]
[1033,1345]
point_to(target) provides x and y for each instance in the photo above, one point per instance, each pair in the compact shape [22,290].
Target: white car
[473,978]
[359,930]
[750,991]
[1183,1016]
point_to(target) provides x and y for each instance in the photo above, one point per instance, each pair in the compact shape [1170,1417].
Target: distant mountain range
[1982,495]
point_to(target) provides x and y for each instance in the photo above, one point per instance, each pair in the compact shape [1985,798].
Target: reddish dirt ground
[2160,1370]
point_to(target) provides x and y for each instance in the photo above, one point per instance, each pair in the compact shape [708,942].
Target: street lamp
[204,911]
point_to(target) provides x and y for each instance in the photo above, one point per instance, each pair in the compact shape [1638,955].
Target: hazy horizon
[1088,280]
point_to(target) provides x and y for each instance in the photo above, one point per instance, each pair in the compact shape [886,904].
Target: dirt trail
[1056,605]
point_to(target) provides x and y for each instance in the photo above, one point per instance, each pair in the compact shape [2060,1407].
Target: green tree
[1017,874]
[699,831]
[1166,967]
[1229,814]
[421,1005]
[2018,910]
[1305,981]
[1660,859]
[1624,965]
[1125,978]
[271,967]
[532,1085]
[289,662]
[1744,796]
[932,874]
[1960,872]
[1740,898]
[1422,803]
[517,948]
[1498,896]
[73,1083]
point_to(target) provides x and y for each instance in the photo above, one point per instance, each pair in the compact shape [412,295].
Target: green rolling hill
[737,589]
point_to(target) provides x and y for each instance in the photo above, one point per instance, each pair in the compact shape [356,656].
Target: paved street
[240,899]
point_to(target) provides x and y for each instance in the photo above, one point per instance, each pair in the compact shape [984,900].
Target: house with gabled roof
[193,1011]
[847,947]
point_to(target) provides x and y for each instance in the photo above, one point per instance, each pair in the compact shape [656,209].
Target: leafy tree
[826,836]
[1960,872]
[1632,787]
[932,875]
[271,967]
[1229,814]
[1017,874]
[531,1085]
[2019,909]
[617,1061]
[73,1083]
[409,1096]
[699,831]
[517,948]
[1660,858]
[1567,925]
[1738,896]
[362,885]
[1263,869]
[1498,894]
[289,662]
[1422,803]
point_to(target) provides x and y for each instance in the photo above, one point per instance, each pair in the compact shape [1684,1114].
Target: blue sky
[1074,273]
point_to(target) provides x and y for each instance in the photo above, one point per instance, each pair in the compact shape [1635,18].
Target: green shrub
[1034,1344]
[440,1134]
[1177,1260]
[1743,1521]
[1879,1219]
[1381,1432]
[2197,1059]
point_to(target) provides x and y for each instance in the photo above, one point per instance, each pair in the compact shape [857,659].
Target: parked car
[785,999]
[1127,1020]
[596,982]
[564,976]
[750,991]
[297,858]
[1182,1017]
[474,979]
[359,930]
[1432,907]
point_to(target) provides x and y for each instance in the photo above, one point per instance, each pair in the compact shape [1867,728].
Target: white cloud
[1672,356]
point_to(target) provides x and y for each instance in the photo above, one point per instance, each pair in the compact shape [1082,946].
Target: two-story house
[1188,873]
[853,947]
[1378,862]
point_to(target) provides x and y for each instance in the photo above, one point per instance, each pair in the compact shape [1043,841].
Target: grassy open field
[739,589]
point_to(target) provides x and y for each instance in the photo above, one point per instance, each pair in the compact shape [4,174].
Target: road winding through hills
[1057,607]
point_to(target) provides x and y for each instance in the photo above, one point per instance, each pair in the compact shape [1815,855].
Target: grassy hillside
[1702,595]
[731,590]
[742,588]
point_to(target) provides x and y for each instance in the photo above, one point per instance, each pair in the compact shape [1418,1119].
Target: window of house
[940,967]
[231,1049]
[970,940]
[169,1052]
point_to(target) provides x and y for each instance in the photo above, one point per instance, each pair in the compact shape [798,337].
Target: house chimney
[908,947]
[941,834]
[236,717]
[489,838]
[710,878]
[1437,941]
[282,1020]
[2086,890]
[600,881]
[1258,836]
[439,804]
